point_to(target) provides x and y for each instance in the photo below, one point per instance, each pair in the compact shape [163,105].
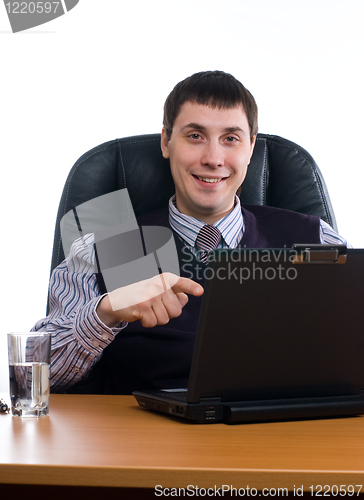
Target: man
[142,336]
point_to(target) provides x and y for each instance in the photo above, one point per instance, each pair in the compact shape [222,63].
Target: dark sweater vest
[150,358]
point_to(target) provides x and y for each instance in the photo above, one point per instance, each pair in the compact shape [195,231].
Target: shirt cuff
[91,332]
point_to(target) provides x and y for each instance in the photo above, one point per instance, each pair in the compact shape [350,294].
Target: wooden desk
[108,441]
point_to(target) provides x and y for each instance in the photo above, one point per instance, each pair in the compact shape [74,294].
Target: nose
[212,155]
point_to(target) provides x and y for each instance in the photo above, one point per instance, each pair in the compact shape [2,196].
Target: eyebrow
[194,125]
[197,126]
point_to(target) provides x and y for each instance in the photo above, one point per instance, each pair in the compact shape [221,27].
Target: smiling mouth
[209,179]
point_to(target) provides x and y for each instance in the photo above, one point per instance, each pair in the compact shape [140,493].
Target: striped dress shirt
[78,335]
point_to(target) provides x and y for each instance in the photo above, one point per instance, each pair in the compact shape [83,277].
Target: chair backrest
[280,174]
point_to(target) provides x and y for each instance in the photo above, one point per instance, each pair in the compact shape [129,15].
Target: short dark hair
[213,88]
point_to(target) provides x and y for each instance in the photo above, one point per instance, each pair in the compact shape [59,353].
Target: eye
[194,136]
[230,138]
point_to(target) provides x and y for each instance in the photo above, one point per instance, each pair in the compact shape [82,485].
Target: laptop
[280,337]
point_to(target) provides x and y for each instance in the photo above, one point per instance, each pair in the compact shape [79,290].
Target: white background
[103,71]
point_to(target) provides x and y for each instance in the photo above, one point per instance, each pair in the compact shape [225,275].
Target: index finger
[186,285]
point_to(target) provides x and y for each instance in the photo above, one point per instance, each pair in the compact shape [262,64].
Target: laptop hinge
[319,254]
[212,401]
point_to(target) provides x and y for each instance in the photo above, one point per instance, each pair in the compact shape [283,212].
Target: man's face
[209,152]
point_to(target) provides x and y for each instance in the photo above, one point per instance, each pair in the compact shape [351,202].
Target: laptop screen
[280,323]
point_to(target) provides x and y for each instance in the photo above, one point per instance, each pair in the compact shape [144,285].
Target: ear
[252,147]
[164,144]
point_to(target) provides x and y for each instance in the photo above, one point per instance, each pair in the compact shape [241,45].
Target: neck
[207,218]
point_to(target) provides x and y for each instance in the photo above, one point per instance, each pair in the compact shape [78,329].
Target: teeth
[208,179]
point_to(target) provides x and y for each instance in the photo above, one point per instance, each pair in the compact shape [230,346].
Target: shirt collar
[231,226]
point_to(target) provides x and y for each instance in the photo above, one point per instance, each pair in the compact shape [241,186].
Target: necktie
[207,239]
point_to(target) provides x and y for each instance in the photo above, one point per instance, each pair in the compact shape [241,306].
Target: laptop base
[214,411]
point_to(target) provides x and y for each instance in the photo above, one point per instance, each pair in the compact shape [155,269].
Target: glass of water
[29,360]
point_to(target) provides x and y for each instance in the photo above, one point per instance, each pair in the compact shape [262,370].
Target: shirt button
[105,336]
[95,343]
[76,370]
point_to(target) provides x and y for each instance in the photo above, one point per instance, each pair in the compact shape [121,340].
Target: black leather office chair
[281,174]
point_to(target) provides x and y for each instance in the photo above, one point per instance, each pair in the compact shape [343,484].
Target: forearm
[78,335]
[330,237]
